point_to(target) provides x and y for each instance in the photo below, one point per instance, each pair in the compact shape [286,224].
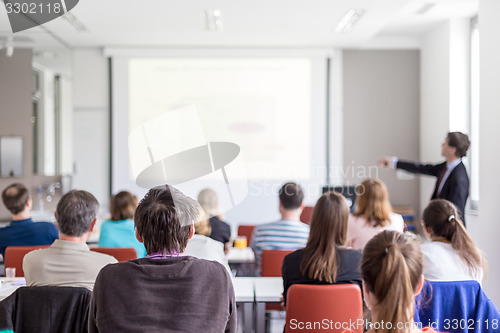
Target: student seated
[68,262]
[451,254]
[289,233]
[119,231]
[373,214]
[203,247]
[22,231]
[221,231]
[391,267]
[325,259]
[165,291]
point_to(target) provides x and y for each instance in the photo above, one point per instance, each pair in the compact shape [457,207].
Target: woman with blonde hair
[202,246]
[391,268]
[119,231]
[373,214]
[221,231]
[325,259]
[451,254]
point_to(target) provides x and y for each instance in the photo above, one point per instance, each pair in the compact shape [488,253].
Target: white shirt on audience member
[204,247]
[442,263]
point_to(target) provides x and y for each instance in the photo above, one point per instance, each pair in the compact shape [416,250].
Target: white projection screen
[272,108]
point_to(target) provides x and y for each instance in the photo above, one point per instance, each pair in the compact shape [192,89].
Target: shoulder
[35,255]
[349,254]
[102,258]
[295,255]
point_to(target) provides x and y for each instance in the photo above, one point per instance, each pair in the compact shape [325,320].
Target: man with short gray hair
[68,261]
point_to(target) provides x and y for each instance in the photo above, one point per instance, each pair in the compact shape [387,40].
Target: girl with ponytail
[451,254]
[391,268]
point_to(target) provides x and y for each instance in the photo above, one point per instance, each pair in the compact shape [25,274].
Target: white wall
[435,101]
[91,123]
[380,117]
[442,63]
[485,228]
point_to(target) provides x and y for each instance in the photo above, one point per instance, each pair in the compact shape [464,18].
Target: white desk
[245,296]
[267,290]
[237,256]
[9,287]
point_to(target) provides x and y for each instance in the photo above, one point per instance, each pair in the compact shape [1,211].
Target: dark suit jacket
[456,187]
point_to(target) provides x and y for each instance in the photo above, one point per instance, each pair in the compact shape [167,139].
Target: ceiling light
[425,8]
[348,21]
[213,20]
[74,21]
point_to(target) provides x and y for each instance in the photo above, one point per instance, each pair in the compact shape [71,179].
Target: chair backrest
[247,231]
[456,307]
[307,214]
[120,253]
[46,309]
[14,256]
[340,304]
[272,260]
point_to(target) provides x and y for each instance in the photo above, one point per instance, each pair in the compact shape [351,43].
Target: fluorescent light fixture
[348,21]
[74,21]
[213,20]
[425,8]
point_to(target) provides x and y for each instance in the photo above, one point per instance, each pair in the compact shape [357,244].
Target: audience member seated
[373,214]
[22,231]
[203,247]
[68,262]
[289,233]
[451,254]
[391,267]
[120,230]
[325,259]
[221,231]
[165,291]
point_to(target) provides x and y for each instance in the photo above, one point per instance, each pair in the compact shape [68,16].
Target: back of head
[460,141]
[442,217]
[122,206]
[373,202]
[391,267]
[75,212]
[208,200]
[291,196]
[14,197]
[164,218]
[328,231]
[202,224]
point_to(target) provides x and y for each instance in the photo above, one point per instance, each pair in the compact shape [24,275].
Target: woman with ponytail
[391,267]
[325,259]
[451,254]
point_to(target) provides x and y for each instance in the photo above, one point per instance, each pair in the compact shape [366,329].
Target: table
[9,287]
[253,293]
[245,296]
[242,261]
[267,290]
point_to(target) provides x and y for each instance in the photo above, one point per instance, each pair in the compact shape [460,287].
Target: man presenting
[452,180]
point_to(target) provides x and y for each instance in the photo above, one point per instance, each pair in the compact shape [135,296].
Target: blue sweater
[120,234]
[27,233]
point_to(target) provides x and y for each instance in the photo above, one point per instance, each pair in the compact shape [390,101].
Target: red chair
[340,304]
[272,260]
[120,253]
[307,214]
[14,256]
[247,231]
[271,263]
